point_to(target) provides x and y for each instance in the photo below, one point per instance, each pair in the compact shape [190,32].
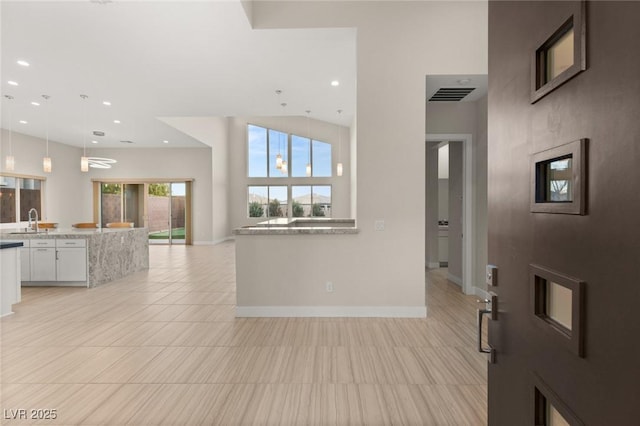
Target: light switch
[492,275]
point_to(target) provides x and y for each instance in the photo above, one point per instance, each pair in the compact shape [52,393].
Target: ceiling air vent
[98,133]
[126,141]
[453,94]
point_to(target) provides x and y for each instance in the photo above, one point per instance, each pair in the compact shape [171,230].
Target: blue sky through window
[257,151]
[321,159]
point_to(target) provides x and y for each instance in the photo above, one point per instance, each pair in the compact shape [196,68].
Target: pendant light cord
[46,98]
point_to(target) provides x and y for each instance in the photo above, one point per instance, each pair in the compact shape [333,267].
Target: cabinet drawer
[71,243]
[42,243]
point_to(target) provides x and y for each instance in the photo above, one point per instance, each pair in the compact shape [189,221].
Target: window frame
[18,223]
[576,21]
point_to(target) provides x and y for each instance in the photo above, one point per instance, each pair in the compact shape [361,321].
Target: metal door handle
[488,350]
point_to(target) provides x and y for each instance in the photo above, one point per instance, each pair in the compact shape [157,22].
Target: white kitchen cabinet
[42,260]
[71,260]
[25,263]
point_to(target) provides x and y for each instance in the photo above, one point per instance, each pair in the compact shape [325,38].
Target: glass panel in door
[166,210]
[178,213]
[110,203]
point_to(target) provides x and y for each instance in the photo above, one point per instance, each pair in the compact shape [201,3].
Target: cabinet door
[25,264]
[43,264]
[72,264]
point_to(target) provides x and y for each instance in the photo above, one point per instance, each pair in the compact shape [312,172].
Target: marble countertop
[299,226]
[61,233]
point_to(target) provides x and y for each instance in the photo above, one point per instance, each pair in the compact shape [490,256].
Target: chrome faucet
[35,212]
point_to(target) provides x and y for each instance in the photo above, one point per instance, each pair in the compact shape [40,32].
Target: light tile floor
[163,347]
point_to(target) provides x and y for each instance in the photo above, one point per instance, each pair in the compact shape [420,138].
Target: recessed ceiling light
[12,83]
[35,103]
[335,83]
[165,141]
[23,122]
[94,141]
[107,103]
[116,121]
[23,63]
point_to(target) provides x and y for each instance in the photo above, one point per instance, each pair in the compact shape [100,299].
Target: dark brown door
[567,333]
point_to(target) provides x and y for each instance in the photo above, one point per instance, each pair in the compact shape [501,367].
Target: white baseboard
[212,243]
[432,265]
[454,279]
[332,311]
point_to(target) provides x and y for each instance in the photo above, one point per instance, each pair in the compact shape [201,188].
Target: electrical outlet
[329,286]
[378,225]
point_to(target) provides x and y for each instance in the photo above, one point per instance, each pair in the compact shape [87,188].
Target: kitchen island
[80,257]
[10,293]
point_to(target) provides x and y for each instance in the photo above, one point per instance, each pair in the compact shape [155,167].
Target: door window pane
[111,203]
[558,303]
[554,418]
[559,56]
[559,180]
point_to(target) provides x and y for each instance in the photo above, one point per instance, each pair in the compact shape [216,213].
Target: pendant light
[46,161]
[308,171]
[285,167]
[339,165]
[279,156]
[84,160]
[10,161]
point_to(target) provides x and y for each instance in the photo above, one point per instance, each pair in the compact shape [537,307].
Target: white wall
[67,193]
[326,132]
[398,44]
[214,132]
[169,163]
[455,211]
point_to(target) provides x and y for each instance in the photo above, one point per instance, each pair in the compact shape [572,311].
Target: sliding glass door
[167,213]
[162,207]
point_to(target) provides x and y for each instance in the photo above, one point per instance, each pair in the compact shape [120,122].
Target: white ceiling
[163,59]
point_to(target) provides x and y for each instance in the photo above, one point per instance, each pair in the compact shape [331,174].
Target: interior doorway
[459,225]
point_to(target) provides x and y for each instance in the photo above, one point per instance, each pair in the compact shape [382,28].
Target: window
[8,199]
[300,154]
[557,303]
[321,159]
[548,408]
[268,201]
[19,194]
[561,56]
[30,197]
[558,179]
[265,147]
[311,200]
